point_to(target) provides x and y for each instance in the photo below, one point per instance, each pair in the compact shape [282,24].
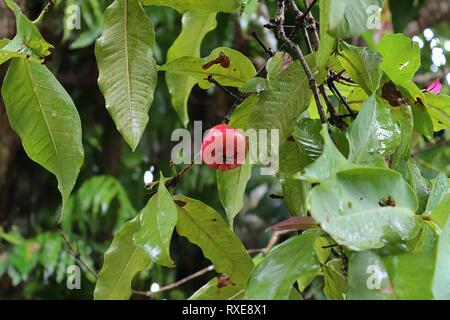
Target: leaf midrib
[58,160]
[127,71]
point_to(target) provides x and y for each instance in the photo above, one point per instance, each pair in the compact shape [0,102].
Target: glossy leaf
[158,220]
[362,65]
[307,133]
[227,66]
[5,55]
[349,18]
[438,192]
[205,227]
[121,263]
[188,5]
[439,109]
[407,269]
[327,42]
[231,185]
[127,68]
[401,57]
[240,117]
[329,163]
[368,278]
[28,40]
[373,135]
[420,185]
[295,191]
[365,208]
[288,97]
[195,25]
[441,278]
[44,116]
[404,117]
[335,284]
[274,276]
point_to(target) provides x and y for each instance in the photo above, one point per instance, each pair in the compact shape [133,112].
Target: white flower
[148,176]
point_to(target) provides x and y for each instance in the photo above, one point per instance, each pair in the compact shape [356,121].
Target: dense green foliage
[363,153]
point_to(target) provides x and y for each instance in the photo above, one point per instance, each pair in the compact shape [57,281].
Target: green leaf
[441,278]
[440,214]
[327,42]
[288,97]
[127,68]
[205,227]
[6,55]
[195,25]
[404,117]
[212,291]
[411,274]
[231,185]
[401,57]
[307,133]
[364,208]
[25,257]
[227,66]
[239,118]
[51,248]
[335,284]
[438,192]
[421,186]
[368,278]
[274,277]
[373,135]
[188,5]
[28,40]
[439,109]
[362,65]
[43,115]
[121,263]
[255,85]
[329,163]
[158,220]
[294,191]
[348,18]
[423,123]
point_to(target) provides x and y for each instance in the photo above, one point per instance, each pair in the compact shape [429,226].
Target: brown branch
[76,254]
[174,285]
[229,92]
[272,242]
[44,11]
[279,21]
[267,50]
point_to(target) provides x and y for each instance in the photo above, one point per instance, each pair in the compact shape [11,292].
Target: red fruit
[224,148]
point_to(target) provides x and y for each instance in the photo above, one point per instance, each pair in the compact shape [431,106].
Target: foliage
[360,153]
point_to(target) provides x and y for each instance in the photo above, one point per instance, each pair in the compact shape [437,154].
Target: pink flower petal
[435,87]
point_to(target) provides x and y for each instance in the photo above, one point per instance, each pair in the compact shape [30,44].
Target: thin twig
[274,240]
[313,23]
[76,254]
[44,11]
[267,50]
[174,285]
[336,91]
[310,7]
[229,92]
[279,20]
